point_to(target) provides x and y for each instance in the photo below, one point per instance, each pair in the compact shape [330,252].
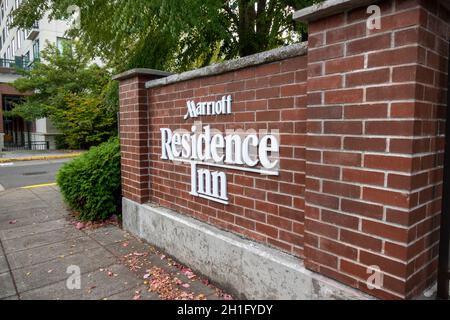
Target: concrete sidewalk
[38,243]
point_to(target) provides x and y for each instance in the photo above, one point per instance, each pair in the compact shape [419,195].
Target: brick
[268,116]
[333,112]
[326,142]
[279,222]
[364,144]
[362,208]
[344,96]
[291,238]
[342,158]
[360,240]
[387,197]
[346,33]
[321,257]
[279,199]
[266,229]
[390,128]
[322,200]
[365,78]
[315,69]
[343,127]
[366,111]
[401,164]
[341,189]
[316,40]
[292,90]
[328,82]
[385,230]
[386,265]
[326,53]
[394,57]
[344,65]
[326,23]
[338,248]
[392,92]
[339,219]
[322,171]
[369,44]
[363,176]
[405,19]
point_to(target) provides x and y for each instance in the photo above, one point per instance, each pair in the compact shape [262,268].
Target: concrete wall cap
[140,71]
[331,7]
[281,53]
[328,8]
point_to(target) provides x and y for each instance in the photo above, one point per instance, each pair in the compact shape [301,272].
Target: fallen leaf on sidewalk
[79,225]
[137,295]
[13,222]
[50,271]
[185,285]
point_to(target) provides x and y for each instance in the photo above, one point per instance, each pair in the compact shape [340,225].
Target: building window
[26,57]
[60,43]
[36,49]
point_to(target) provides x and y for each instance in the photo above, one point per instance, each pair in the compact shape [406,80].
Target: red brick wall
[361,121]
[270,96]
[374,154]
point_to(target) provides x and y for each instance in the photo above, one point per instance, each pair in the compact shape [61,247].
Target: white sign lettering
[210,108]
[203,147]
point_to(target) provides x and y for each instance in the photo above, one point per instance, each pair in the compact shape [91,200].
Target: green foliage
[90,184]
[174,34]
[76,95]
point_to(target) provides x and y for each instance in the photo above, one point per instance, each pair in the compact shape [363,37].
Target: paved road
[26,173]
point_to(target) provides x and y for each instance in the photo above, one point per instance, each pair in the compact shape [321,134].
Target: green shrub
[90,184]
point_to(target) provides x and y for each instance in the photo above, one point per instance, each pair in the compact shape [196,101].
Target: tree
[72,93]
[174,34]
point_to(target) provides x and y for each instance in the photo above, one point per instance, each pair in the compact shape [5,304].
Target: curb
[62,156]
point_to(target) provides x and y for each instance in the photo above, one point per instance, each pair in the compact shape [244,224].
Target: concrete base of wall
[244,268]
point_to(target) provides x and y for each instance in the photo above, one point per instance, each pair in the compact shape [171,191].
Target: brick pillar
[376,102]
[134,133]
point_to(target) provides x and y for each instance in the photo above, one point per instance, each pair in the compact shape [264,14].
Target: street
[27,173]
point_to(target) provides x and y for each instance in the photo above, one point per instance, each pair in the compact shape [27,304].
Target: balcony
[32,33]
[18,63]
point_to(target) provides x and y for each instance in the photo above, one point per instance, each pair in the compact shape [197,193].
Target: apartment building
[22,48]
